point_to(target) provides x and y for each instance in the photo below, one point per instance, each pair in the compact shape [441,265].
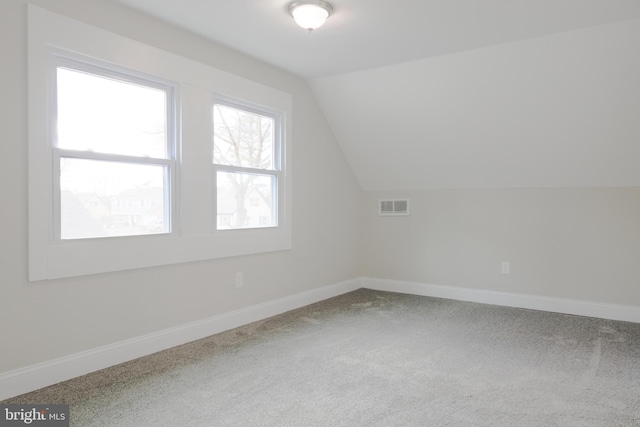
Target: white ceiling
[364,34]
[461,93]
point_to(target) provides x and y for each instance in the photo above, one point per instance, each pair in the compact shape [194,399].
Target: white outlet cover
[506,267]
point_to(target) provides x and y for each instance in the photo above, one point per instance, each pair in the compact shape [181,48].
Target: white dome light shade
[310,14]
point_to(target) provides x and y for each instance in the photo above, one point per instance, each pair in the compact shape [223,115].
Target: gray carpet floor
[371,358]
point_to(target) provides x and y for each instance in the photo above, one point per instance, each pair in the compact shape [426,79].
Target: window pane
[110,116]
[242,138]
[245,200]
[102,199]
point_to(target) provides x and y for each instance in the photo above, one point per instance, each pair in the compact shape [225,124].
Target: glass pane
[246,200]
[102,199]
[241,138]
[110,116]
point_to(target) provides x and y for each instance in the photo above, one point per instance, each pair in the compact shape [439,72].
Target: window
[246,157]
[122,170]
[112,143]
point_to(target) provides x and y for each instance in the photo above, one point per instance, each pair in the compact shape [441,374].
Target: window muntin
[114,148]
[246,157]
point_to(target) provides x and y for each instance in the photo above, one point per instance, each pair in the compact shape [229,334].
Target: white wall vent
[393,207]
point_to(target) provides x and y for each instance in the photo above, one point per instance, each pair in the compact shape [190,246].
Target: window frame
[277,162]
[102,69]
[193,234]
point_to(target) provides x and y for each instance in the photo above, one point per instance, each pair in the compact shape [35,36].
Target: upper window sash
[90,67]
[277,140]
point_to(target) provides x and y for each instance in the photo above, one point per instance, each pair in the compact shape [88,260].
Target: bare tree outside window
[242,138]
[244,155]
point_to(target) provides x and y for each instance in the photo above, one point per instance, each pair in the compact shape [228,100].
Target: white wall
[574,243]
[525,152]
[45,320]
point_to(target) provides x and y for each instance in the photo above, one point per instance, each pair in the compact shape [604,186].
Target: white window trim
[193,236]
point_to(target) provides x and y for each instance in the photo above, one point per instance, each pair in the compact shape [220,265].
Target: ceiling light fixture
[310,14]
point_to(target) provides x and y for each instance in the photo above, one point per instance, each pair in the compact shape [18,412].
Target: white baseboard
[30,378]
[557,305]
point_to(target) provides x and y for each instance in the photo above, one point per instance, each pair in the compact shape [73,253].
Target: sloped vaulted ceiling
[456,94]
[561,110]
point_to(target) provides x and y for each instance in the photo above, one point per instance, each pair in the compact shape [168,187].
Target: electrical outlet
[239,280]
[506,267]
